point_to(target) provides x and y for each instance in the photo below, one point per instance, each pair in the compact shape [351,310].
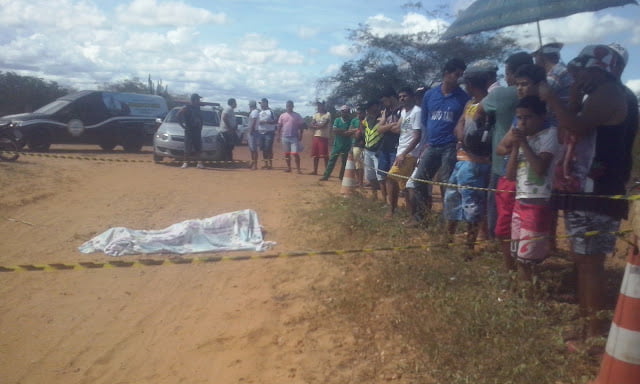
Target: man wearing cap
[190,119]
[473,157]
[229,126]
[266,133]
[341,143]
[558,78]
[442,107]
[252,140]
[602,116]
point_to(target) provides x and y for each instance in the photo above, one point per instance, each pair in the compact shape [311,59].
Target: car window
[172,116]
[209,117]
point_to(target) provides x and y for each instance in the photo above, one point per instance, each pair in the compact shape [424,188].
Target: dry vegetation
[450,320]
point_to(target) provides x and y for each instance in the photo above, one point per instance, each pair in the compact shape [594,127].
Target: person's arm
[511,168]
[227,120]
[540,162]
[458,131]
[336,130]
[253,123]
[279,126]
[415,139]
[598,109]
[506,144]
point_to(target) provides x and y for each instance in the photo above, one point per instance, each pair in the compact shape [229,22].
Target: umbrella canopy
[487,15]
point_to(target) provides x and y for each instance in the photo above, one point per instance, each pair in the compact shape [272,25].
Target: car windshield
[52,107]
[209,117]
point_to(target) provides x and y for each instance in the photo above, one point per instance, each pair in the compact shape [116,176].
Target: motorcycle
[9,149]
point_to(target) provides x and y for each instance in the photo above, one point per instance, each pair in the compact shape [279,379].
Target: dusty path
[254,321]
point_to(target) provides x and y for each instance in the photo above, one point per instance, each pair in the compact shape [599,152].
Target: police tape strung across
[84,265]
[436,183]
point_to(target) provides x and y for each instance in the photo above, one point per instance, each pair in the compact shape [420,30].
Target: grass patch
[429,316]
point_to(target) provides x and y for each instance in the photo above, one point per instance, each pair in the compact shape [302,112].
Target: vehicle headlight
[163,136]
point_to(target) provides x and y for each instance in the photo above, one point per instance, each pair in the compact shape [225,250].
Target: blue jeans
[433,158]
[265,143]
[192,142]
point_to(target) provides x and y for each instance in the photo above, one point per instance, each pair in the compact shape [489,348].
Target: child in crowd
[526,80]
[533,142]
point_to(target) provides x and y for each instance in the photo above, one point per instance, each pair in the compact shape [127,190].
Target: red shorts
[504,206]
[320,147]
[530,230]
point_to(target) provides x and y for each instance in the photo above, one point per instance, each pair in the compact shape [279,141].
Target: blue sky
[244,49]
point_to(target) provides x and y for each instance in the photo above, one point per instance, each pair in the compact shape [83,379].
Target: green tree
[20,94]
[133,85]
[397,60]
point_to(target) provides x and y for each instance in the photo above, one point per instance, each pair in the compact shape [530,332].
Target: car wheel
[8,150]
[40,140]
[107,145]
[132,140]
[108,142]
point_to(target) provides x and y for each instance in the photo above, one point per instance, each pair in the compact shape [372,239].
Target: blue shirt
[441,113]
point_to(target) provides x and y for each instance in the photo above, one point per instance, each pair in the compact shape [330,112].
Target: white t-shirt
[409,123]
[254,116]
[228,111]
[529,184]
[266,121]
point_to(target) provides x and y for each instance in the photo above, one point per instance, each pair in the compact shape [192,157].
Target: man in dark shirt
[190,119]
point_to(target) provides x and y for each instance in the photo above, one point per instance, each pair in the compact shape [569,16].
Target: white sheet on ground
[234,231]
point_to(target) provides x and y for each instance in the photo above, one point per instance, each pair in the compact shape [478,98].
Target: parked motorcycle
[9,149]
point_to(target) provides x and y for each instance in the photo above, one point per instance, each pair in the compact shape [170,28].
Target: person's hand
[399,160]
[383,117]
[518,135]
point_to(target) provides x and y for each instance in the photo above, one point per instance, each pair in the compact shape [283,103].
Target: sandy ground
[255,321]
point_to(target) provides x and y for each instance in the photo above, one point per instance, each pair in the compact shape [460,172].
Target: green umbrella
[488,15]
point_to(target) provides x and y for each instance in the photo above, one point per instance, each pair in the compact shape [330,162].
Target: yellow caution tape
[86,265]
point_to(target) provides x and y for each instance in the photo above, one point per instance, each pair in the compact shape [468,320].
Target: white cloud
[63,15]
[634,85]
[578,28]
[332,69]
[257,42]
[342,50]
[306,32]
[411,23]
[168,13]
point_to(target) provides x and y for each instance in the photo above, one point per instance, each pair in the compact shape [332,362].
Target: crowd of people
[554,138]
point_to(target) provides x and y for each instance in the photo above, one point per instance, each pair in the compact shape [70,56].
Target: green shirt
[341,142]
[502,103]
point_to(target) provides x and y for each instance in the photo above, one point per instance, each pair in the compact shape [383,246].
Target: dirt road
[256,321]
